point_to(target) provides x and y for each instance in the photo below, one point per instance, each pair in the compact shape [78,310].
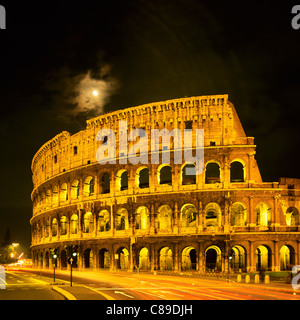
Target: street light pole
[55,262]
[71,270]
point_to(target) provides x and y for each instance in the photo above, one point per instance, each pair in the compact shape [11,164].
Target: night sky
[53,54]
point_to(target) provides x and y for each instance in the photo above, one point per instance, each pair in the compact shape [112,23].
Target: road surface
[129,286]
[27,286]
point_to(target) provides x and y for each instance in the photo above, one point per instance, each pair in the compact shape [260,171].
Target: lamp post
[229,258]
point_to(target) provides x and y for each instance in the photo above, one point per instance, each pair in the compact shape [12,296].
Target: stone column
[200,216]
[251,258]
[112,258]
[275,215]
[226,173]
[176,220]
[69,191]
[58,193]
[251,214]
[96,184]
[131,219]
[58,227]
[69,225]
[112,183]
[94,223]
[79,223]
[112,219]
[200,257]
[152,218]
[152,256]
[275,264]
[131,182]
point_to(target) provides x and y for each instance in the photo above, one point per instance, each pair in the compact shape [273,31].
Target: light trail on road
[130,286]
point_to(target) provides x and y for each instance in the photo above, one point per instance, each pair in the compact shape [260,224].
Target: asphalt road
[27,286]
[129,286]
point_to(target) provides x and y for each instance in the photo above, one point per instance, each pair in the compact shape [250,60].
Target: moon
[95,93]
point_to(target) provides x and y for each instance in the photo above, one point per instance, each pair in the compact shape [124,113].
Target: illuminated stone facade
[155,217]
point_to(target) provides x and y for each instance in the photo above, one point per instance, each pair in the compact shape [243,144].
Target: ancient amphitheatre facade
[154,216]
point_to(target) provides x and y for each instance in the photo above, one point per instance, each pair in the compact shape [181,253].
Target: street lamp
[229,258]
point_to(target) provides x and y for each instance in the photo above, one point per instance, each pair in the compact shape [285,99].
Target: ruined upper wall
[215,114]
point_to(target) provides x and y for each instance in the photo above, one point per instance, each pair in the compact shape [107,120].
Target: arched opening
[55,196]
[46,229]
[54,227]
[38,230]
[292,216]
[188,216]
[188,174]
[41,260]
[88,258]
[263,258]
[124,181]
[48,197]
[63,192]
[74,224]
[164,217]
[43,199]
[105,183]
[63,225]
[47,257]
[188,259]
[123,259]
[213,258]
[263,214]
[238,258]
[122,219]
[238,214]
[144,262]
[142,218]
[88,186]
[287,257]
[236,172]
[63,259]
[88,223]
[165,175]
[212,215]
[104,259]
[212,173]
[103,221]
[142,178]
[75,190]
[165,259]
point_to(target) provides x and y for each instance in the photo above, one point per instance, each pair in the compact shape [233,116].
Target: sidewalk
[80,292]
[273,286]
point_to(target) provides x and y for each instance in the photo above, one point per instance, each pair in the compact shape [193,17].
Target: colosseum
[156,216]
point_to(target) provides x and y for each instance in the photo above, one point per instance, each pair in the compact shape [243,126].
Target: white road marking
[173,293]
[124,294]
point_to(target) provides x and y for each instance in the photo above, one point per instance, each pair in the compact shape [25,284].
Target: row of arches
[213,259]
[102,222]
[60,194]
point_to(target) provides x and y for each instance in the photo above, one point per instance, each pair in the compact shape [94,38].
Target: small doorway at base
[213,258]
[88,258]
[104,259]
[188,259]
[123,259]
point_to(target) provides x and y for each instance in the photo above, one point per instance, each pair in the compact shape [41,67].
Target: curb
[265,287]
[66,294]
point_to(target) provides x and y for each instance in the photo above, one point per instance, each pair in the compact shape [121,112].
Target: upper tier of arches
[139,179]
